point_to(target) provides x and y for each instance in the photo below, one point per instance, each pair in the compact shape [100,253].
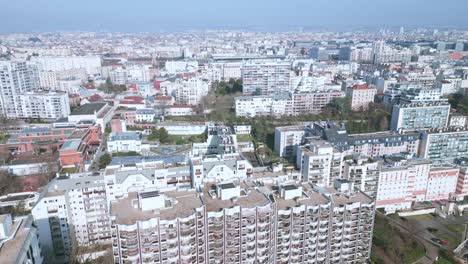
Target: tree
[109,84]
[104,160]
[164,136]
[8,183]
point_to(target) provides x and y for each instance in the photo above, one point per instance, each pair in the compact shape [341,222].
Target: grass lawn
[443,260]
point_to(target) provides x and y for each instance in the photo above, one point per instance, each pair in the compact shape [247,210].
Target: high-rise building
[420,115]
[45,105]
[19,241]
[244,222]
[444,145]
[16,78]
[266,77]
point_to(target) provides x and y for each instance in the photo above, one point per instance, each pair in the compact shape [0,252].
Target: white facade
[46,105]
[124,142]
[90,63]
[190,91]
[16,78]
[287,139]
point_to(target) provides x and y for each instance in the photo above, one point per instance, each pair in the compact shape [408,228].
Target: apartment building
[287,139]
[220,140]
[19,240]
[441,183]
[189,91]
[90,63]
[319,162]
[383,143]
[363,172]
[361,96]
[71,210]
[267,77]
[145,115]
[462,182]
[16,78]
[444,145]
[297,103]
[124,142]
[251,106]
[421,115]
[45,105]
[401,182]
[99,113]
[243,222]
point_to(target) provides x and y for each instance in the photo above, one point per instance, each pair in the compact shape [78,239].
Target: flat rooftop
[309,197]
[183,204]
[250,198]
[88,109]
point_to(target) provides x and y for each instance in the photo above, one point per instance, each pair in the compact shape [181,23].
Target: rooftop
[88,109]
[181,204]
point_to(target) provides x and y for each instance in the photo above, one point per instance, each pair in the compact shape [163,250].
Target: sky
[273,15]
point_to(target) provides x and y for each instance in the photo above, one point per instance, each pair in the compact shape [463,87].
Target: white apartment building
[442,183]
[18,240]
[145,115]
[267,77]
[90,63]
[319,162]
[361,96]
[251,106]
[189,91]
[16,78]
[240,222]
[287,139]
[285,104]
[174,67]
[124,142]
[71,209]
[46,105]
[363,172]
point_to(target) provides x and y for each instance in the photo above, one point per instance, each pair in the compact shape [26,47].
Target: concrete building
[361,96]
[444,145]
[319,162]
[189,91]
[239,222]
[99,113]
[266,77]
[19,242]
[287,139]
[16,78]
[124,142]
[363,172]
[44,105]
[90,63]
[71,209]
[423,115]
[145,115]
[402,182]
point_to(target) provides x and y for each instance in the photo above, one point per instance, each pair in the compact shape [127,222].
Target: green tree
[104,160]
[164,136]
[109,84]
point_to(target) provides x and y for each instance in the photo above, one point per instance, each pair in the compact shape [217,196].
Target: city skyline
[180,15]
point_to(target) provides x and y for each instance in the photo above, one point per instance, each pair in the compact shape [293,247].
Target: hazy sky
[157,15]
